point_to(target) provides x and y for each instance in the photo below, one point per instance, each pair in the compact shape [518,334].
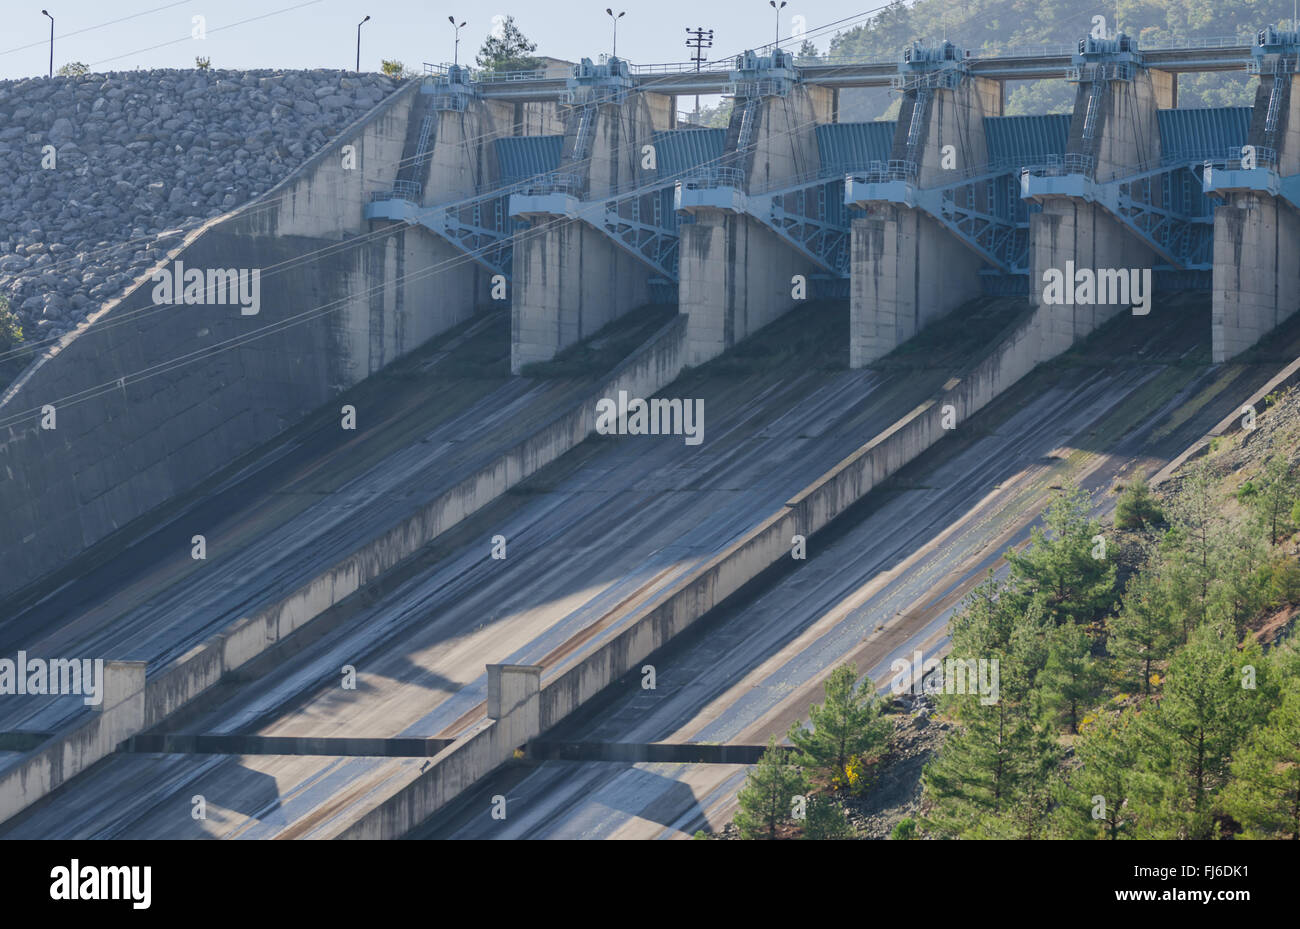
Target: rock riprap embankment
[137,158]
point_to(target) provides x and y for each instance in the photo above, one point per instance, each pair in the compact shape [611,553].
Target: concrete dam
[338,510]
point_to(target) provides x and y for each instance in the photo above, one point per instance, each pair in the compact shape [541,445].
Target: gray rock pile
[138,158]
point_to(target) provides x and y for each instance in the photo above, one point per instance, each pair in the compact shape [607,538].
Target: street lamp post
[616,18]
[772,4]
[46,12]
[359,25]
[456,53]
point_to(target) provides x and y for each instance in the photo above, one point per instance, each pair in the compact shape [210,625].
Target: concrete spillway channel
[879,585]
[620,520]
[615,521]
[277,523]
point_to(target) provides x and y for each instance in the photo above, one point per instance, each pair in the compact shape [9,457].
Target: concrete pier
[1256,227]
[1113,134]
[907,270]
[736,275]
[569,277]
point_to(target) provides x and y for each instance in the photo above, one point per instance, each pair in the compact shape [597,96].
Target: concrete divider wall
[152,399]
[512,721]
[655,364]
[569,276]
[61,758]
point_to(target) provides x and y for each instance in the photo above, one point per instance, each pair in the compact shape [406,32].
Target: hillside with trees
[1149,674]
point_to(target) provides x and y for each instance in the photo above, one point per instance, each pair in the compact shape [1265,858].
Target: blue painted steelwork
[987,208]
[678,151]
[1193,135]
[810,213]
[983,208]
[1166,207]
[848,147]
[607,82]
[1243,171]
[812,216]
[643,219]
[929,67]
[1168,210]
[1015,141]
[981,205]
[522,157]
[481,227]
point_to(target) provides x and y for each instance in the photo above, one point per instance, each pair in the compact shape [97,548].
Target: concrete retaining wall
[152,399]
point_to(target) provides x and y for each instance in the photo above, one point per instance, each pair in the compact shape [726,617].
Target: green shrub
[826,820]
[11,331]
[906,829]
[1137,508]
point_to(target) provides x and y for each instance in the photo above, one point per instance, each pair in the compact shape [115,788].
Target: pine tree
[11,332]
[1276,497]
[1242,583]
[986,620]
[1190,734]
[1058,571]
[766,800]
[1264,796]
[1192,550]
[1144,631]
[508,51]
[983,771]
[1070,678]
[826,820]
[1137,507]
[1093,800]
[847,727]
[987,765]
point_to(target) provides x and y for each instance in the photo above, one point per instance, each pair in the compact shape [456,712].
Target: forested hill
[987,25]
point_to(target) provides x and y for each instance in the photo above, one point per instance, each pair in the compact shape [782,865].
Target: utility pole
[699,39]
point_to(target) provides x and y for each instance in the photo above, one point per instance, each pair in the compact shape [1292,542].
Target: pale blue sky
[322,33]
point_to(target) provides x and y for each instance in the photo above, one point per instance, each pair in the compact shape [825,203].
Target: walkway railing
[1230,157]
[705,178]
[1061,165]
[410,191]
[881,172]
[570,184]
